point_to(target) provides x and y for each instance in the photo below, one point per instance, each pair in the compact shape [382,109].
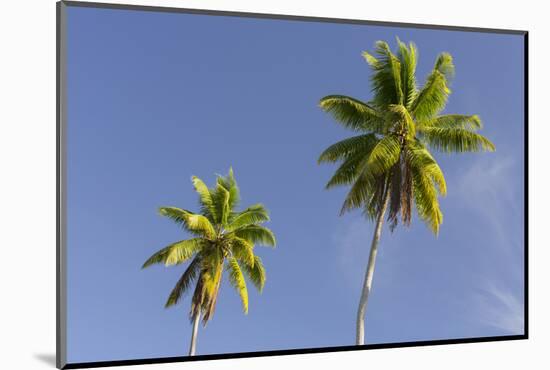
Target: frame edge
[61,250]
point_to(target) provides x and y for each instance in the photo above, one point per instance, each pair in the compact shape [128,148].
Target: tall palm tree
[222,238]
[388,164]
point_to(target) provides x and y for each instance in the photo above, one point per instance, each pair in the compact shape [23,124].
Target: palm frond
[386,79]
[375,198]
[425,196]
[384,155]
[452,121]
[353,113]
[255,273]
[407,195]
[221,202]
[230,184]
[256,234]
[352,167]
[176,253]
[348,172]
[243,250]
[371,59]
[211,285]
[444,64]
[432,97]
[254,214]
[420,159]
[199,296]
[194,223]
[396,188]
[184,282]
[456,140]
[236,279]
[408,59]
[362,191]
[426,175]
[205,197]
[348,147]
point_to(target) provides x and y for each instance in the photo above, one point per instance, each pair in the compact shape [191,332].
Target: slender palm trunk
[196,320]
[367,283]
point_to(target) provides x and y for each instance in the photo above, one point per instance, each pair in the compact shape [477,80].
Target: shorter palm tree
[223,238]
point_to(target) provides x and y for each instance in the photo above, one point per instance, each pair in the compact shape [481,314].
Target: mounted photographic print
[238,185]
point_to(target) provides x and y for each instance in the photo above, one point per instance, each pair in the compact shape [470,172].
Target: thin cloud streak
[486,189]
[499,308]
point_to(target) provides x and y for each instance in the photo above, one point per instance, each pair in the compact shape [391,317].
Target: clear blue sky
[154,98]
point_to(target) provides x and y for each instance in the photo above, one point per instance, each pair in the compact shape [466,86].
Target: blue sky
[154,98]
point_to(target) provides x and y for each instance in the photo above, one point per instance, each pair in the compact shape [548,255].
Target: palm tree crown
[223,238]
[389,163]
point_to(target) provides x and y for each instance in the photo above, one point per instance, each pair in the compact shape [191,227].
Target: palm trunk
[196,320]
[367,283]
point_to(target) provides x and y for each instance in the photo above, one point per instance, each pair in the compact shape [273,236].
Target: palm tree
[222,238]
[388,164]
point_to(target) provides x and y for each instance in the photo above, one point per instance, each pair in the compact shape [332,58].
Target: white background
[27,182]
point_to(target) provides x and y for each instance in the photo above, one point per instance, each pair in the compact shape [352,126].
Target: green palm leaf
[419,158]
[353,113]
[371,60]
[425,196]
[427,180]
[386,77]
[254,214]
[350,169]
[176,253]
[361,144]
[231,186]
[221,202]
[361,192]
[456,140]
[212,276]
[408,58]
[256,234]
[372,194]
[236,279]
[384,154]
[472,123]
[444,65]
[432,97]
[255,273]
[243,250]
[193,223]
[184,283]
[205,197]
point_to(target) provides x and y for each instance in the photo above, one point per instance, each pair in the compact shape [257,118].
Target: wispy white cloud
[498,307]
[487,190]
